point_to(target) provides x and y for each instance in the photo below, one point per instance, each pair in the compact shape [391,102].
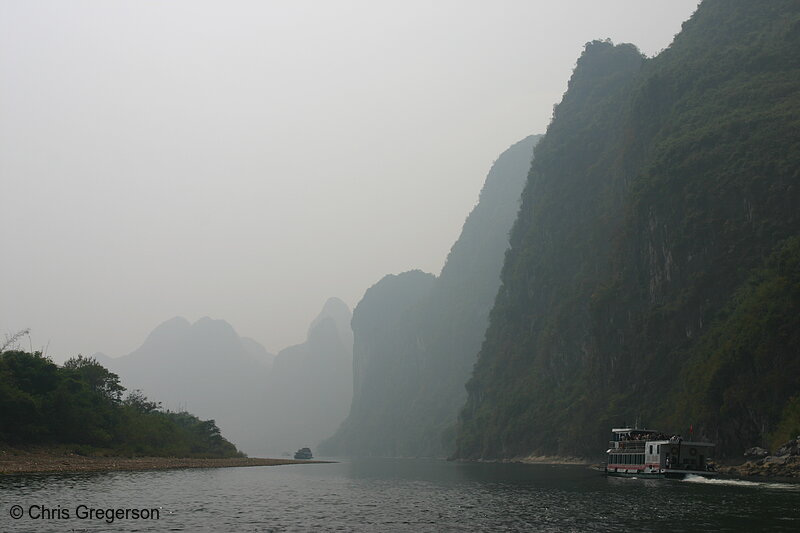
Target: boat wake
[741,483]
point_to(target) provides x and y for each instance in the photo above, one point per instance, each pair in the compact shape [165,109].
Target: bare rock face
[756,451]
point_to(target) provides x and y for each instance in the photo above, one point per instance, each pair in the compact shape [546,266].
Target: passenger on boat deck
[648,436]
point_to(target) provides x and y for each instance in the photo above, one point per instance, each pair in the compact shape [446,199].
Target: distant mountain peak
[177,322]
[205,367]
[168,330]
[214,324]
[339,313]
[334,303]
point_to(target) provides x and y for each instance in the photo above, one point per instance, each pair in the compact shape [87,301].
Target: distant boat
[303,453]
[647,453]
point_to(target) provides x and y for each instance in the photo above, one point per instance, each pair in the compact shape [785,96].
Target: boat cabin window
[651,449]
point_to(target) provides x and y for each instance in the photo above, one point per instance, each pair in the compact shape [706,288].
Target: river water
[394,495]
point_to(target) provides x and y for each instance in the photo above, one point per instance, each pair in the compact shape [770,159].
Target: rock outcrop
[784,463]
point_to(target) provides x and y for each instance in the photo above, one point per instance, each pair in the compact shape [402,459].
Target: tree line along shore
[80,405]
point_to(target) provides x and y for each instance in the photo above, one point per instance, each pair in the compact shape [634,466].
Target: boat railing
[627,445]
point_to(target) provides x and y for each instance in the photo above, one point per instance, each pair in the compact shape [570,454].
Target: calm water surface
[399,495]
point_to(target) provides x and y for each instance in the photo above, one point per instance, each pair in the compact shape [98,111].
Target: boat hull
[670,474]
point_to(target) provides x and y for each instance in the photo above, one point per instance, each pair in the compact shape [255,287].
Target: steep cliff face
[416,336]
[655,199]
[310,388]
[385,367]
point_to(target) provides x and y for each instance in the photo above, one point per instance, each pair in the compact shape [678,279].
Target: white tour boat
[647,453]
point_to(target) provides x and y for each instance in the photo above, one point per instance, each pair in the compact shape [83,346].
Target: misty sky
[247,160]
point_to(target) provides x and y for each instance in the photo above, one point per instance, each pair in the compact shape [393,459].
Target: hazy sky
[247,160]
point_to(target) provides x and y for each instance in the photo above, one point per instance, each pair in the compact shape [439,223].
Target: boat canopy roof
[633,430]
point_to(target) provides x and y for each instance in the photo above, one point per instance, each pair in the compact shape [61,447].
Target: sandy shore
[30,462]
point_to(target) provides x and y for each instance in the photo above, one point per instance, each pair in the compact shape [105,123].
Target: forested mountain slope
[417,336]
[652,272]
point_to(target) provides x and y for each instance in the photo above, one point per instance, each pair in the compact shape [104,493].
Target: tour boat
[637,452]
[303,453]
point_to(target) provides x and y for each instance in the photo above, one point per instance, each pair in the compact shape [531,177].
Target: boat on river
[637,452]
[303,453]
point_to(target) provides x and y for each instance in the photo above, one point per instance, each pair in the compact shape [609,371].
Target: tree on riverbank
[81,403]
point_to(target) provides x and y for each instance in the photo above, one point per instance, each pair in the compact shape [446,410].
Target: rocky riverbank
[19,462]
[770,466]
[784,463]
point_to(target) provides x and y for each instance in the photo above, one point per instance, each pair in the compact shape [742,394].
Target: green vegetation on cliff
[81,404]
[652,273]
[747,365]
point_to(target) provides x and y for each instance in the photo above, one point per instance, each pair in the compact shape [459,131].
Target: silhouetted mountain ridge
[310,387]
[416,335]
[207,368]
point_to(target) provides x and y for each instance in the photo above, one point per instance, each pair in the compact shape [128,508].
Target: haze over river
[397,495]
